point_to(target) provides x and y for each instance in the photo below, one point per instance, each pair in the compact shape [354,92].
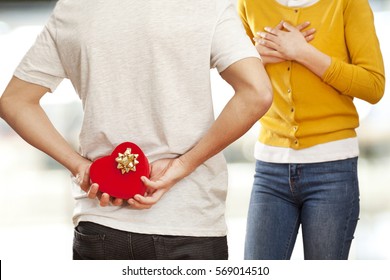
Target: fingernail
[268,29]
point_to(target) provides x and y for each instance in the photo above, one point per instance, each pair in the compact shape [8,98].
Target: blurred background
[35,200]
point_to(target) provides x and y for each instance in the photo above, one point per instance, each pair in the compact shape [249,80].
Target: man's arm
[20,108]
[252,99]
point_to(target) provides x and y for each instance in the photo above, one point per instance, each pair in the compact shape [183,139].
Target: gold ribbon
[127,161]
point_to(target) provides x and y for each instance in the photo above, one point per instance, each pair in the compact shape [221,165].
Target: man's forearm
[29,120]
[238,116]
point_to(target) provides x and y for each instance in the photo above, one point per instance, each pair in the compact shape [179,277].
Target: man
[142,71]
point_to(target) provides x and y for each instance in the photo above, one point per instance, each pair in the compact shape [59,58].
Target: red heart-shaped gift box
[119,174]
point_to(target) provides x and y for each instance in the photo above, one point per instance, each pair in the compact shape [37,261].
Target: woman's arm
[362,77]
[289,43]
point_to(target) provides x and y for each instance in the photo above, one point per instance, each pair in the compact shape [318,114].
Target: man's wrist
[79,166]
[188,163]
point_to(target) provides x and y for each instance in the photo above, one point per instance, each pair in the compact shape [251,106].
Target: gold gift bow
[127,161]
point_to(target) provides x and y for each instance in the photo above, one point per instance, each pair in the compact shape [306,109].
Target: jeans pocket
[87,246]
[191,248]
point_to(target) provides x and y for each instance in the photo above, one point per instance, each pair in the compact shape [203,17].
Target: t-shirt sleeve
[230,41]
[42,64]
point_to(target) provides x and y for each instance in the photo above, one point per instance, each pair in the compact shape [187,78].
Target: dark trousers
[96,242]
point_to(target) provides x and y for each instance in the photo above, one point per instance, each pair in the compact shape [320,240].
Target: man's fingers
[104,200]
[151,184]
[135,204]
[117,202]
[145,202]
[93,191]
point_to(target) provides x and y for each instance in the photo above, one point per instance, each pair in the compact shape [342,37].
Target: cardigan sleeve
[241,8]
[363,77]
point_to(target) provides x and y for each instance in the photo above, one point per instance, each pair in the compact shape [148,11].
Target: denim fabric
[96,242]
[322,198]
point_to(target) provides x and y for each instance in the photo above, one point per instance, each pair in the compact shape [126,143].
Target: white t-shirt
[142,71]
[297,3]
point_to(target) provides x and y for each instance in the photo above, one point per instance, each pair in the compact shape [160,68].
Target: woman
[306,168]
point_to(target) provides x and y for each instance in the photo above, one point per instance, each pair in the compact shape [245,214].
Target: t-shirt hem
[332,151]
[234,59]
[34,80]
[147,229]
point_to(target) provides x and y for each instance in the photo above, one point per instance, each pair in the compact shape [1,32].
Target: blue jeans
[321,197]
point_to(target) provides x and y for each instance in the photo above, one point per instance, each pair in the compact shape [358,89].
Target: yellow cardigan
[308,110]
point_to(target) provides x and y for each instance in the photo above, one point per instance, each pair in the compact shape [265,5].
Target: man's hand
[165,173]
[33,125]
[83,180]
[251,100]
